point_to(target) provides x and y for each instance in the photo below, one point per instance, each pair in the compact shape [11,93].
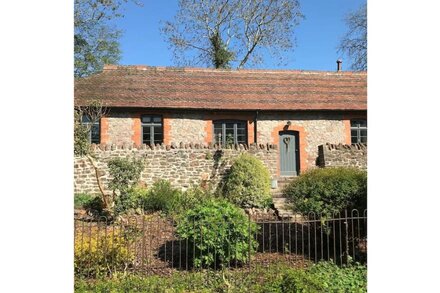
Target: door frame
[296,134]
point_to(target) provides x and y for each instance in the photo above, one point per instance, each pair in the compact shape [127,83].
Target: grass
[322,277]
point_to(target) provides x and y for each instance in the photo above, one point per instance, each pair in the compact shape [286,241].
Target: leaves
[96,40]
[328,191]
[219,233]
[248,182]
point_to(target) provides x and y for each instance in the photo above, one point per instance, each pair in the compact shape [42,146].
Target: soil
[154,243]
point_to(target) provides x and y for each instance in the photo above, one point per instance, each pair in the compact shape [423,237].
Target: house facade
[297,111]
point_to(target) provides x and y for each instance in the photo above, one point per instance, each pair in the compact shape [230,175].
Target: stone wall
[119,129]
[182,165]
[185,127]
[340,155]
[317,129]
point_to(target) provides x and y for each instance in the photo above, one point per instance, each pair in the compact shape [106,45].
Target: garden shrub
[300,281]
[161,197]
[351,278]
[132,200]
[190,198]
[248,182]
[218,232]
[82,200]
[89,202]
[101,254]
[326,277]
[125,175]
[328,190]
[81,145]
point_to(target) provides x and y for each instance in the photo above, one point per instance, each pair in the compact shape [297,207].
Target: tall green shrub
[248,182]
[161,197]
[328,190]
[125,175]
[218,232]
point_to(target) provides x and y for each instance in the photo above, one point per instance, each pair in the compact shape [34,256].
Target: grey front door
[289,156]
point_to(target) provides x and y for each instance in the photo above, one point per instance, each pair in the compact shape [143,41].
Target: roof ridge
[108,67]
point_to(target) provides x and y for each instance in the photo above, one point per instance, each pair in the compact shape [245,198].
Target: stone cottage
[292,111]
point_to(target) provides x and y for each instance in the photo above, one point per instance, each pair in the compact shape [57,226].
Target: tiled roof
[197,88]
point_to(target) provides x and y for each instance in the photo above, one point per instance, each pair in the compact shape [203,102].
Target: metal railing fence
[151,244]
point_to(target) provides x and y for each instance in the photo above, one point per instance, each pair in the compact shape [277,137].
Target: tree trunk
[107,199]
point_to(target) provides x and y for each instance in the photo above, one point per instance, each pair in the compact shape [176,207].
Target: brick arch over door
[302,143]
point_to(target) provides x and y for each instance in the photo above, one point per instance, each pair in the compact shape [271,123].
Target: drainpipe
[255,126]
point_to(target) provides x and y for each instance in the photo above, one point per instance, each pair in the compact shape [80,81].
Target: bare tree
[354,42]
[247,29]
[94,112]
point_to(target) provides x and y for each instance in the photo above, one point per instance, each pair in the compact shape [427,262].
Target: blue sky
[317,35]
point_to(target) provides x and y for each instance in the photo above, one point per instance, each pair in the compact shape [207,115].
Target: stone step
[280,200]
[277,194]
[284,181]
[283,208]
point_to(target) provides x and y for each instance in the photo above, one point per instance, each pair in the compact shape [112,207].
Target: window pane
[241,139]
[157,119]
[363,132]
[363,139]
[94,135]
[158,137]
[217,134]
[354,132]
[358,123]
[146,135]
[85,119]
[354,139]
[241,125]
[146,119]
[229,125]
[229,134]
[241,131]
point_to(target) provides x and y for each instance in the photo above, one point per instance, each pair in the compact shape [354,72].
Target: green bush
[89,202]
[101,254]
[190,198]
[172,201]
[125,175]
[326,277]
[81,134]
[300,281]
[352,278]
[82,200]
[131,200]
[161,197]
[248,182]
[328,190]
[218,232]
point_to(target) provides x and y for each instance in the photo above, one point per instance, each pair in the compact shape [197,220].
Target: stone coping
[197,146]
[355,146]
